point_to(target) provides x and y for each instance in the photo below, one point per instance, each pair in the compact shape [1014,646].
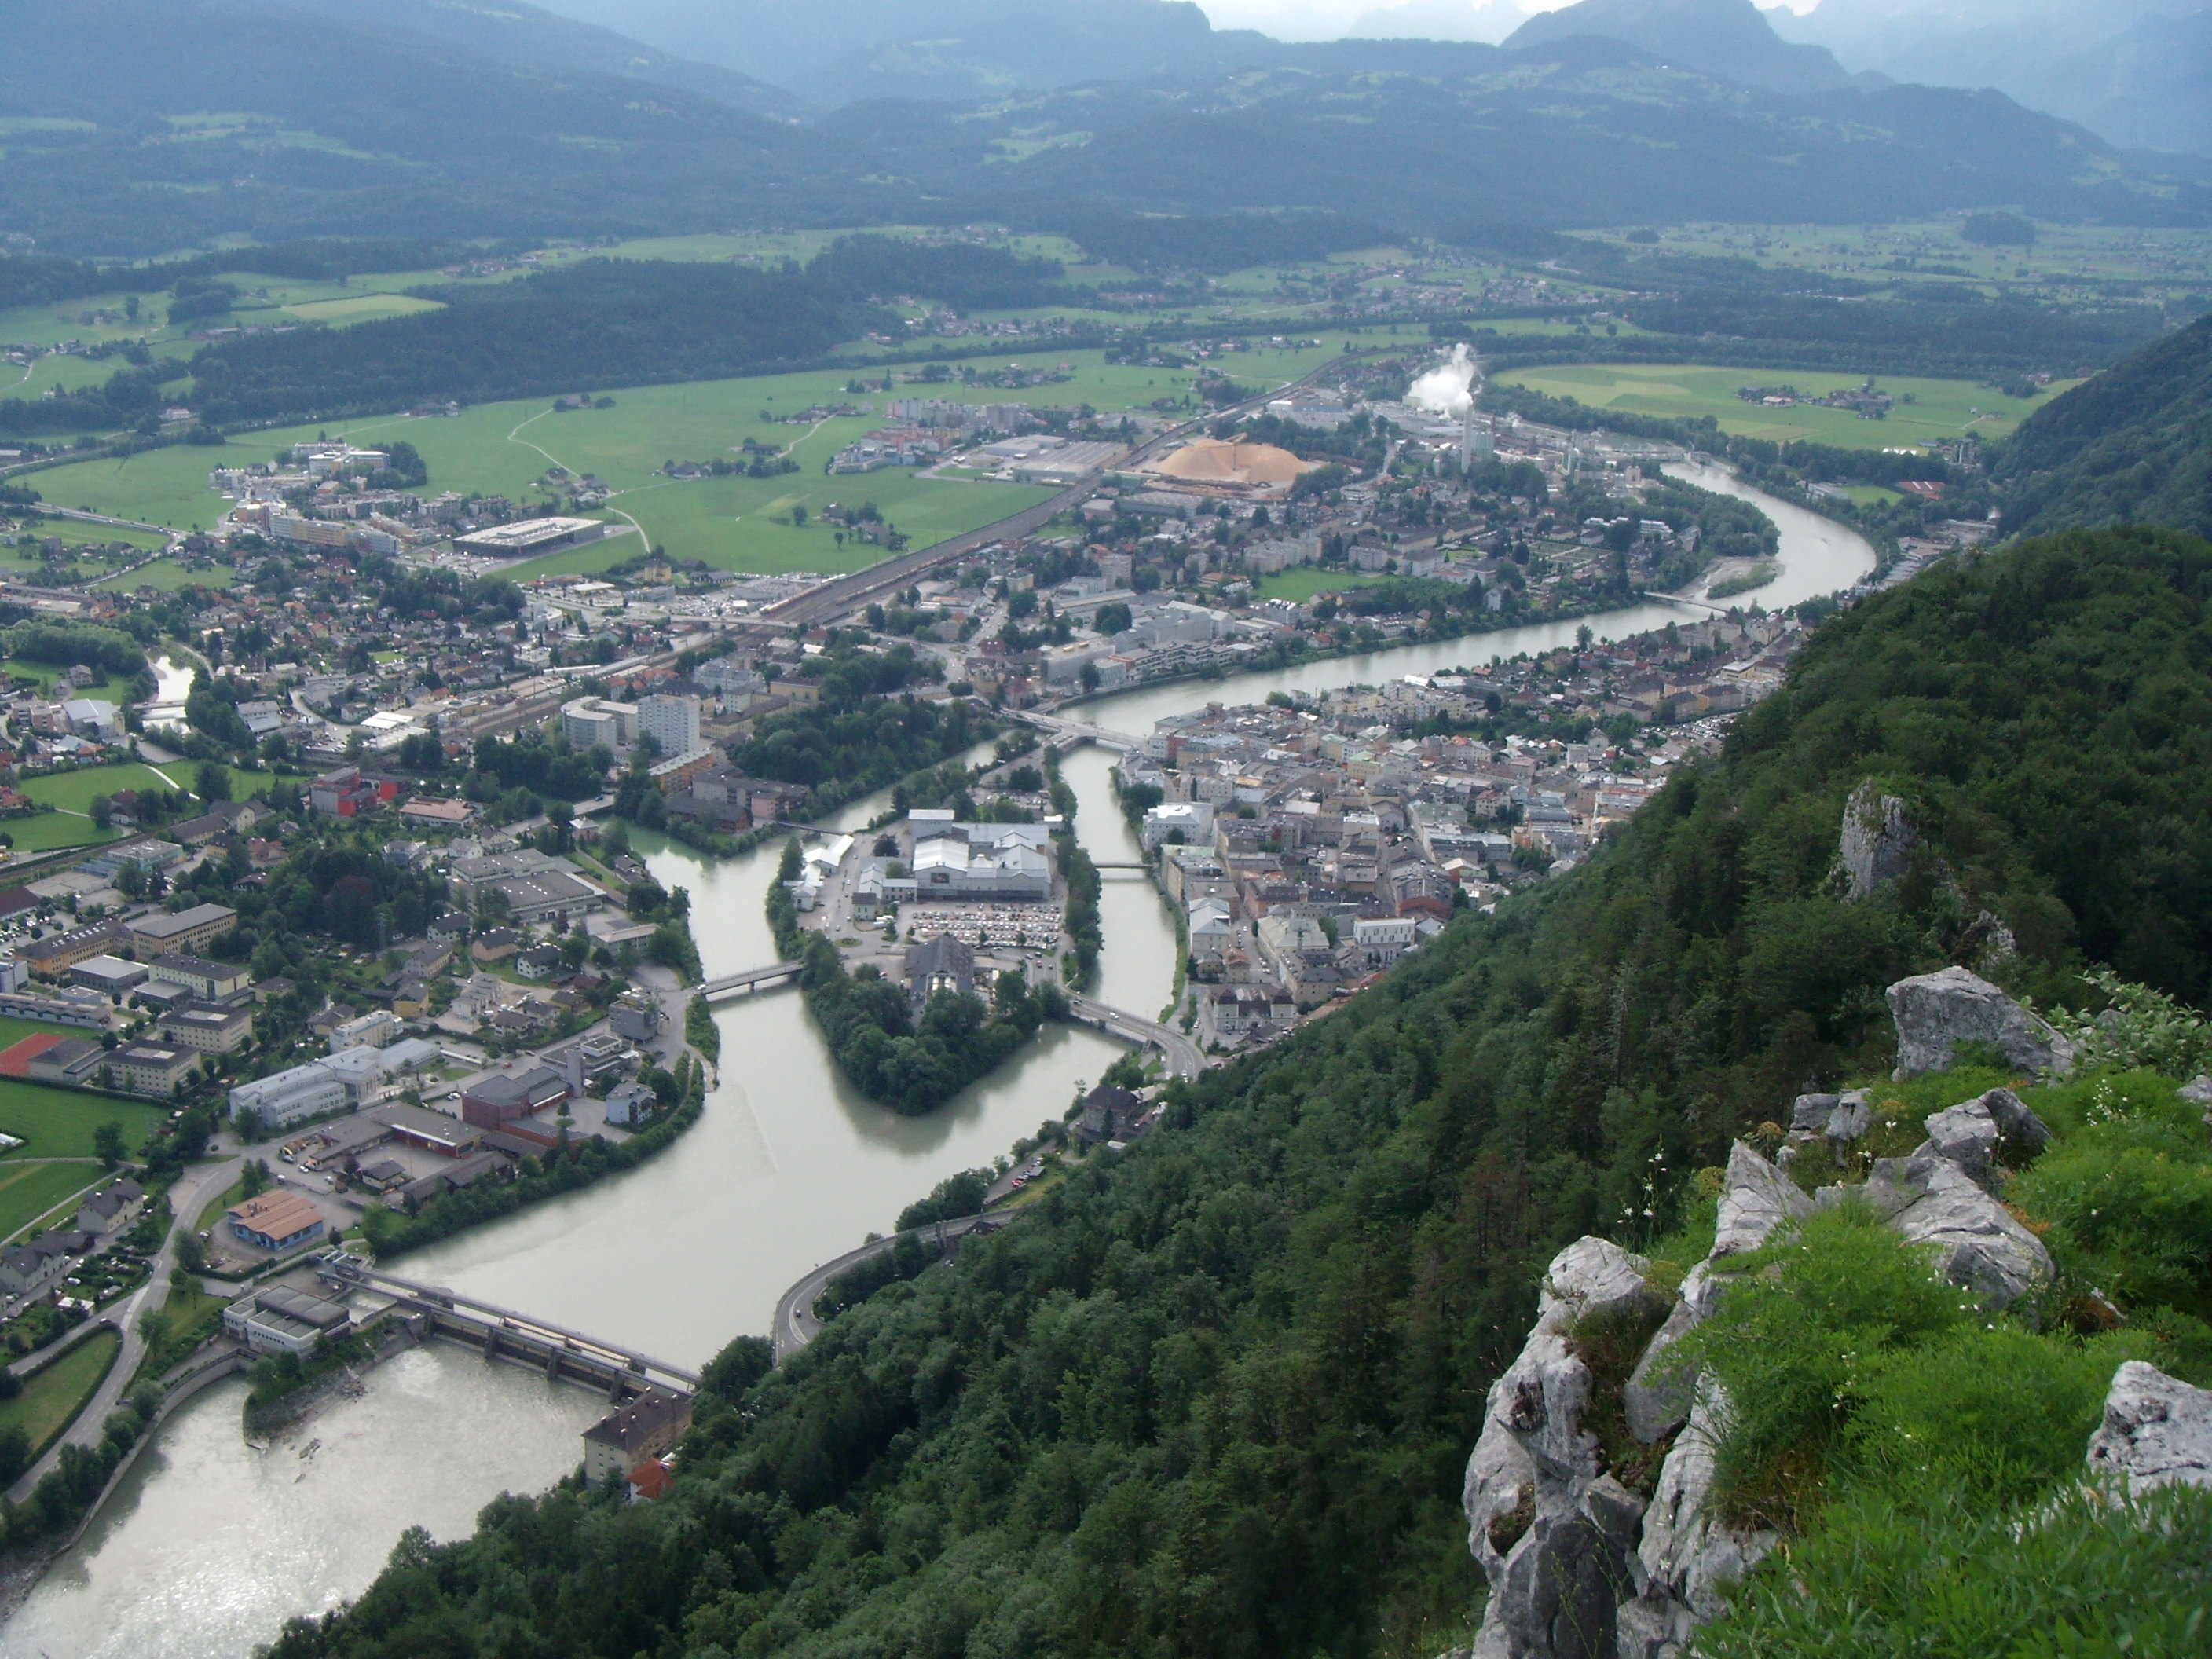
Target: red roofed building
[15,1061]
[650,1481]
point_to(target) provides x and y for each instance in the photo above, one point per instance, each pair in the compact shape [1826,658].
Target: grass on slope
[28,1190]
[50,1400]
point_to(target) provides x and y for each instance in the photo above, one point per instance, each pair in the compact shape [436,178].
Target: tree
[212,781]
[107,1144]
[102,808]
[253,1179]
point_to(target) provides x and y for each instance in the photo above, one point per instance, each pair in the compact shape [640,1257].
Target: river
[212,1543]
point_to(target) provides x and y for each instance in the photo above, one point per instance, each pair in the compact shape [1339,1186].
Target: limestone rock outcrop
[1553,1533]
[1877,840]
[1686,1554]
[2157,1430]
[1937,1012]
[1580,1565]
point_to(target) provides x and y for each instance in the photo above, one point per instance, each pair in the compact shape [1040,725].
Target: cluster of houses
[1309,847]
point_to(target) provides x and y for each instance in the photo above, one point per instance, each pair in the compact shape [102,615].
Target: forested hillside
[1216,1397]
[599,323]
[2134,445]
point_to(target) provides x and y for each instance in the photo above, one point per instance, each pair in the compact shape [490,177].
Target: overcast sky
[1439,20]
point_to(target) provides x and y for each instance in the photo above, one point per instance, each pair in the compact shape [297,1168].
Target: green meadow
[59,1122]
[1940,411]
[732,523]
[28,1190]
[1305,582]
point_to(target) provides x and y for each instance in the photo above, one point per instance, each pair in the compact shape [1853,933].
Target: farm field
[1302,582]
[55,1123]
[56,1394]
[27,1191]
[2167,261]
[734,523]
[1942,410]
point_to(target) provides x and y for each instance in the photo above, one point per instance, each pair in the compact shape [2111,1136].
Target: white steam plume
[1447,389]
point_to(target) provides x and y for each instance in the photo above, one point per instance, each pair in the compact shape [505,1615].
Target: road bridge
[752,979]
[520,1339]
[1076,732]
[795,1324]
[1183,1056]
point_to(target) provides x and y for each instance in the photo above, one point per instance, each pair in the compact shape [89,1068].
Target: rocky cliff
[1588,1495]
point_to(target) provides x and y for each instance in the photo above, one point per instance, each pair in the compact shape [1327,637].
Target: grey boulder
[1756,1198]
[1936,1012]
[1978,1244]
[2157,1430]
[1658,1397]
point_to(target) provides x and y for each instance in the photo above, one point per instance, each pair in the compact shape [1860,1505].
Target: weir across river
[501,1333]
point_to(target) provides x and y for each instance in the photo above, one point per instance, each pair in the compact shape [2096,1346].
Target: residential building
[1110,1113]
[1178,822]
[370,1031]
[671,722]
[27,1271]
[349,791]
[277,1221]
[648,1426]
[208,1030]
[113,1208]
[628,1103]
[150,1069]
[587,721]
[54,1011]
[172,934]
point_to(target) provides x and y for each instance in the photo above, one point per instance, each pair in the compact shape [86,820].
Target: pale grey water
[788,1168]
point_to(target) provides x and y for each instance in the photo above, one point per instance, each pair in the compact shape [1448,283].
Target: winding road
[1183,1056]
[795,1324]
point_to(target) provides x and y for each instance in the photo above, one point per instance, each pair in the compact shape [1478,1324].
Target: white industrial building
[287,1097]
[954,860]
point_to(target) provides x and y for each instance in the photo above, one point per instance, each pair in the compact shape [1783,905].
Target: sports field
[1302,582]
[1938,410]
[732,523]
[58,1123]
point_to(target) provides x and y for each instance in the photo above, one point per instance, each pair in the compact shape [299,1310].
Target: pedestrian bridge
[752,979]
[518,1339]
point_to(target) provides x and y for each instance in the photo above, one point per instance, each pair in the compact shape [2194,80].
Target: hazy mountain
[334,125]
[2136,72]
[1435,136]
[529,37]
[835,52]
[1490,21]
[1728,37]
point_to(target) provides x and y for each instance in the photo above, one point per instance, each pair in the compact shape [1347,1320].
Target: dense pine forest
[1215,1397]
[2132,445]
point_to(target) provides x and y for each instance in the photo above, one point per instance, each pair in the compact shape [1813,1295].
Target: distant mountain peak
[1731,39]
